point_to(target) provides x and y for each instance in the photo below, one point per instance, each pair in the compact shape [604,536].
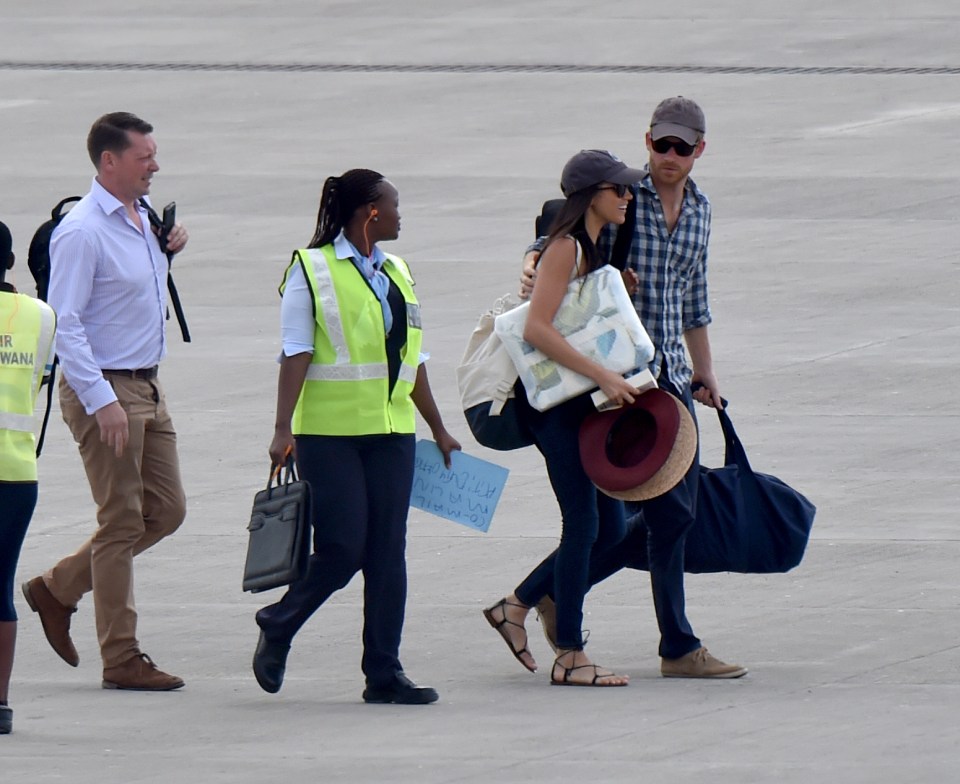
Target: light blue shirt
[297,323]
[108,288]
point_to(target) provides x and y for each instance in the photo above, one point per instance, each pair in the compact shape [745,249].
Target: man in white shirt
[108,287]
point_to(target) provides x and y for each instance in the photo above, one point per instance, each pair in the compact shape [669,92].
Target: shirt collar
[107,201]
[345,249]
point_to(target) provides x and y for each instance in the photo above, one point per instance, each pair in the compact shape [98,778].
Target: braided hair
[341,197]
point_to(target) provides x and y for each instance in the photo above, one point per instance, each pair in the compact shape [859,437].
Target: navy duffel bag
[746,521]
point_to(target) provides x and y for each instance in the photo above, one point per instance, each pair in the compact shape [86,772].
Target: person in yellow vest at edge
[27,327]
[351,374]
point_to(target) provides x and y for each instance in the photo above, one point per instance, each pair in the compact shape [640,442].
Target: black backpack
[38,257]
[38,260]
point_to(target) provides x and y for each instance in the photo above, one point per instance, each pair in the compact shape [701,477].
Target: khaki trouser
[140,500]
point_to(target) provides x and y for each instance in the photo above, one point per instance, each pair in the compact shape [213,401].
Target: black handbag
[746,521]
[279,544]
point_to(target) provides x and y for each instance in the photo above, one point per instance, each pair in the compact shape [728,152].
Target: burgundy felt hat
[641,450]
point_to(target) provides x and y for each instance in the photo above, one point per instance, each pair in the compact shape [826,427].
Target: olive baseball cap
[591,167]
[678,117]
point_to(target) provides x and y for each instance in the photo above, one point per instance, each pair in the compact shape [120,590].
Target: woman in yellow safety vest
[26,355]
[351,375]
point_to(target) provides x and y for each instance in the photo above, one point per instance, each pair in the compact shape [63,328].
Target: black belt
[145,373]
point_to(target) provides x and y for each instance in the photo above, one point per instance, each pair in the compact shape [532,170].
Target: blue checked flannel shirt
[672,295]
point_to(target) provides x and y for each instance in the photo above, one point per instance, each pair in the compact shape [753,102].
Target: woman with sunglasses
[595,184]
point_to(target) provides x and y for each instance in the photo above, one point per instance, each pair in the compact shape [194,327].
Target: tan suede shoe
[55,618]
[139,674]
[700,664]
[547,615]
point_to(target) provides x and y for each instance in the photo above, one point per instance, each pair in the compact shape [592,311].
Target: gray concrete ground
[835,295]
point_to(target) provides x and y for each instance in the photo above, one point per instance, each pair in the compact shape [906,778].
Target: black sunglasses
[620,190]
[681,148]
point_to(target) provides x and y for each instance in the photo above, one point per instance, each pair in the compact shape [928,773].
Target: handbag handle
[288,469]
[734,451]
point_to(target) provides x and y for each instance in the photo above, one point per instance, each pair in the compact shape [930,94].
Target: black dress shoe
[401,691]
[269,663]
[6,720]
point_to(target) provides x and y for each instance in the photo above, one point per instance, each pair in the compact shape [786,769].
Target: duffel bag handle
[734,451]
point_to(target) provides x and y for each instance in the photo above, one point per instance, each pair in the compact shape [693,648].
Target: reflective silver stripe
[48,324]
[24,423]
[328,303]
[346,372]
[408,374]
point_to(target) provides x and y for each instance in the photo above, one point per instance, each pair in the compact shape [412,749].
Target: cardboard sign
[466,493]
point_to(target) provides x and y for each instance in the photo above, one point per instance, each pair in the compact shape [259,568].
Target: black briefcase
[279,529]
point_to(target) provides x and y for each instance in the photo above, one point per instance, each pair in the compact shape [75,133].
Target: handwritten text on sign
[466,493]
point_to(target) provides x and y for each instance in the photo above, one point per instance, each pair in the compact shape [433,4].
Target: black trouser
[361,494]
[17,501]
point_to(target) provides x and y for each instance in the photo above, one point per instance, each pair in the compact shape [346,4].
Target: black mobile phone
[169,218]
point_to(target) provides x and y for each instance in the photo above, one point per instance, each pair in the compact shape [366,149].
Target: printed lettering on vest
[18,358]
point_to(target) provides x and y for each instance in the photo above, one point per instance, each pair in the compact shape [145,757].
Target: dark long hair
[341,197]
[570,220]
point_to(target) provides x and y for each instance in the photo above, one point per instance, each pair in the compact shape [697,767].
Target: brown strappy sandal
[504,621]
[567,671]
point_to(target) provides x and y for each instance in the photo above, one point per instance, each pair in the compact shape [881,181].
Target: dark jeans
[668,519]
[17,501]
[361,494]
[593,523]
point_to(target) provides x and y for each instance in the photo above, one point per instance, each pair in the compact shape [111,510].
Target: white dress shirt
[108,288]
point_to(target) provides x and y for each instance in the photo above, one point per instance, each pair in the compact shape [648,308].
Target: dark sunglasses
[681,148]
[620,190]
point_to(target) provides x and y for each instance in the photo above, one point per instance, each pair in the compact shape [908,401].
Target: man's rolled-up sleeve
[73,267]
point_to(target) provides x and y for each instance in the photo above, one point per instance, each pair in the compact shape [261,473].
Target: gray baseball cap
[591,167]
[678,117]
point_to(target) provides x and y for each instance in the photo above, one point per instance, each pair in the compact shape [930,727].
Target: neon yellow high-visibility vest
[346,391]
[27,326]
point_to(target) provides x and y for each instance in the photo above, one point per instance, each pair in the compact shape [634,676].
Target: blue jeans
[361,494]
[593,523]
[17,500]
[668,519]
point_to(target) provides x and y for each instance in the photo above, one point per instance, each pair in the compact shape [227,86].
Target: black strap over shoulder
[49,381]
[625,232]
[157,224]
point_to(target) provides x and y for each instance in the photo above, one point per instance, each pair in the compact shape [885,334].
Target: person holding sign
[351,375]
[595,184]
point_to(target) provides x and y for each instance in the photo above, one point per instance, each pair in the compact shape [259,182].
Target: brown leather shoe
[139,674]
[55,618]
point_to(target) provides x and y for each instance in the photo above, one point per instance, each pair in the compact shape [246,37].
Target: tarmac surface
[834,172]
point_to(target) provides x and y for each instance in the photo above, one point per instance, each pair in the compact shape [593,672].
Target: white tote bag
[598,319]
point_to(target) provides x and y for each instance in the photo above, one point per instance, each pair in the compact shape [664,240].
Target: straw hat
[639,451]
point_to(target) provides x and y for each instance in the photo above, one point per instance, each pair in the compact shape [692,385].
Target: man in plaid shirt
[666,274]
